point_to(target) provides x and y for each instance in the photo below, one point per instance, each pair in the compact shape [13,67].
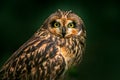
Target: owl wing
[37,59]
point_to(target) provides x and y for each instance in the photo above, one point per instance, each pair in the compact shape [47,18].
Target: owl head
[64,24]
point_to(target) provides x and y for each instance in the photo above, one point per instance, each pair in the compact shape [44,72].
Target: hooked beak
[63,31]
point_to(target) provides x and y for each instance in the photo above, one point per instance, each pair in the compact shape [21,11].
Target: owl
[53,49]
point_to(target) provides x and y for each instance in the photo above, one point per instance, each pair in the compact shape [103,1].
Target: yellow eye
[56,24]
[71,25]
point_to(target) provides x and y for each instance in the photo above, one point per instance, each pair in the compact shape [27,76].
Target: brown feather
[47,55]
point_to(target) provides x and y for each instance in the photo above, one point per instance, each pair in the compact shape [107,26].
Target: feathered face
[65,24]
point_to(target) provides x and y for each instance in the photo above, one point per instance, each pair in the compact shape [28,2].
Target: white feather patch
[79,32]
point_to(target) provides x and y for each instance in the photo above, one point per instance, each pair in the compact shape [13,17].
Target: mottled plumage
[50,52]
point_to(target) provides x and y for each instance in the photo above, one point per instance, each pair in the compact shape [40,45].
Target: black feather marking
[52,54]
[82,43]
[42,42]
[33,48]
[46,51]
[62,68]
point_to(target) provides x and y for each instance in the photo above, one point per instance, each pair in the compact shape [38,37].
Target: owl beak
[63,31]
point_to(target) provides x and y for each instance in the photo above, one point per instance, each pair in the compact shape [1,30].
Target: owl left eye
[56,24]
[71,25]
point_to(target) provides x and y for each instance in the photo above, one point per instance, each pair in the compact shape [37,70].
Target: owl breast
[70,48]
[64,52]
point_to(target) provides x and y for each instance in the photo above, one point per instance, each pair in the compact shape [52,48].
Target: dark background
[19,19]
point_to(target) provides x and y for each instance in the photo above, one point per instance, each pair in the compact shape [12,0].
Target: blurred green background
[19,19]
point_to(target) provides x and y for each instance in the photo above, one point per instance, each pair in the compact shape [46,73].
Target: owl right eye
[55,24]
[71,25]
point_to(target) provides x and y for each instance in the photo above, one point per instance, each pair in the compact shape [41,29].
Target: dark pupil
[70,24]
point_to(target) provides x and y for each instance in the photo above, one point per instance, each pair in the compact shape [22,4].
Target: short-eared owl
[50,52]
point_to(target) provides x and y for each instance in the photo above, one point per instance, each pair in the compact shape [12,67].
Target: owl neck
[71,49]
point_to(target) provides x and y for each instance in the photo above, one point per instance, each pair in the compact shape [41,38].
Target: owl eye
[56,24]
[71,25]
